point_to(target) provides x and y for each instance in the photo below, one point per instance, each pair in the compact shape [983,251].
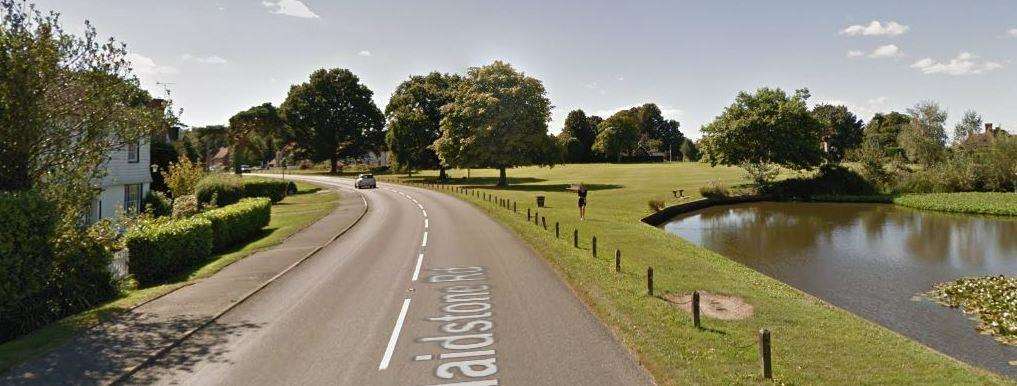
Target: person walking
[582,201]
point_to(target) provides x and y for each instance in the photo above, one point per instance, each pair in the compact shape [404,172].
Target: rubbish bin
[540,201]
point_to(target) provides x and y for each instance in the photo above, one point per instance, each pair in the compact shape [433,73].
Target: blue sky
[691,58]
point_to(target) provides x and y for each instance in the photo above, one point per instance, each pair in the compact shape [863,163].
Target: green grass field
[814,343]
[1002,204]
[288,216]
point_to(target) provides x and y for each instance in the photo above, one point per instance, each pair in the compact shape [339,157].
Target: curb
[130,371]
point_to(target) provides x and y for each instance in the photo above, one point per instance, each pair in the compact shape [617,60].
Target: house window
[132,198]
[133,152]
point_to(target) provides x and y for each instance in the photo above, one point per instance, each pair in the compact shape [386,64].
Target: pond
[871,259]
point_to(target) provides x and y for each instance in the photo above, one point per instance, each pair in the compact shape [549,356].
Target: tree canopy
[497,118]
[842,130]
[254,132]
[333,117]
[765,127]
[414,119]
[924,137]
[970,124]
[577,137]
[618,134]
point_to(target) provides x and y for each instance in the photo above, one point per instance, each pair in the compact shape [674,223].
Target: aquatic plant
[993,299]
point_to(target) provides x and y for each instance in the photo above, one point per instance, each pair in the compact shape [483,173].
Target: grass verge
[290,215]
[1002,204]
[814,342]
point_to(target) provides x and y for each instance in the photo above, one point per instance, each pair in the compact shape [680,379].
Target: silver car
[365,181]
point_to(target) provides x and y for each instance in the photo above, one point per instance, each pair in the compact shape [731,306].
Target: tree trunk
[333,163]
[236,161]
[441,174]
[502,179]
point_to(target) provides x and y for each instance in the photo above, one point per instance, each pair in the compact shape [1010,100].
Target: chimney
[988,127]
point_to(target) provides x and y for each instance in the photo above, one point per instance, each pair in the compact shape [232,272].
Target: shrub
[219,189]
[182,177]
[272,188]
[29,222]
[655,204]
[81,277]
[158,204]
[238,222]
[161,250]
[832,179]
[714,190]
[185,206]
[291,187]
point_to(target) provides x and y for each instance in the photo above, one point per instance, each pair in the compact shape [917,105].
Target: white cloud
[144,65]
[364,53]
[964,63]
[875,28]
[621,78]
[887,51]
[294,8]
[855,54]
[1012,32]
[211,59]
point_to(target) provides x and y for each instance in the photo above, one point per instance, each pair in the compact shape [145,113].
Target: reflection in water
[871,259]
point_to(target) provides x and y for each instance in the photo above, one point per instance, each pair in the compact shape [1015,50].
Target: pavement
[424,290]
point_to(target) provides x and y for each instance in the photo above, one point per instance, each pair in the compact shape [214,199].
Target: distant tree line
[638,131]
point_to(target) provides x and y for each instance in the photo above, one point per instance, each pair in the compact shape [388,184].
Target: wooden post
[649,281]
[536,217]
[543,220]
[575,238]
[617,260]
[593,243]
[513,206]
[527,214]
[764,353]
[695,308]
[557,230]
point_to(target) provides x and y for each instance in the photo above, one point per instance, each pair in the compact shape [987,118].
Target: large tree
[881,133]
[924,137]
[618,135]
[689,150]
[66,101]
[414,120]
[842,130]
[671,137]
[333,117]
[970,124]
[253,133]
[577,137]
[764,128]
[498,118]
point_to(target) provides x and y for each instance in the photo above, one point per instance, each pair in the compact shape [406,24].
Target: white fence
[118,266]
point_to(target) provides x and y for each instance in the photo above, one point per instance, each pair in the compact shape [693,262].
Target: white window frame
[133,206]
[133,152]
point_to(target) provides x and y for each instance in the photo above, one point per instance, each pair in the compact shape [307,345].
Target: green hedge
[225,189]
[164,249]
[239,222]
[1002,204]
[26,257]
[158,204]
[272,188]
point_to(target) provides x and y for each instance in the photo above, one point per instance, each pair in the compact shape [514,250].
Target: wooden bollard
[557,230]
[695,308]
[617,260]
[513,206]
[575,238]
[593,244]
[649,281]
[764,353]
[543,220]
[527,214]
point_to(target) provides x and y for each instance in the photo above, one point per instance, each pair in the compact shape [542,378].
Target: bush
[185,206]
[219,189]
[655,204]
[291,187]
[161,250]
[158,204]
[182,177]
[29,222]
[714,190]
[272,188]
[831,180]
[81,277]
[238,222]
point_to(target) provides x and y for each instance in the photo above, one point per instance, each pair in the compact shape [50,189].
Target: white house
[127,180]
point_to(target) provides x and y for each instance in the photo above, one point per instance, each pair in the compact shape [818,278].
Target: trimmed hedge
[161,250]
[238,222]
[225,189]
[272,188]
[26,257]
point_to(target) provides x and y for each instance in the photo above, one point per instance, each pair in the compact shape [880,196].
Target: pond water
[871,259]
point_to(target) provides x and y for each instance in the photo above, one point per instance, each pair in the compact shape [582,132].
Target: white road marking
[416,271]
[424,211]
[395,336]
[423,357]
[426,225]
[424,243]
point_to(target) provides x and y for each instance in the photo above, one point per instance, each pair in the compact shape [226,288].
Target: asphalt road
[425,290]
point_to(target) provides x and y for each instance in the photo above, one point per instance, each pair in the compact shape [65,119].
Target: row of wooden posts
[764,334]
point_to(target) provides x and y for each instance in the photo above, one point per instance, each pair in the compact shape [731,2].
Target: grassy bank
[288,216]
[1003,204]
[814,343]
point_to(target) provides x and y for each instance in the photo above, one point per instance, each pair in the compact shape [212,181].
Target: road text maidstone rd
[466,357]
